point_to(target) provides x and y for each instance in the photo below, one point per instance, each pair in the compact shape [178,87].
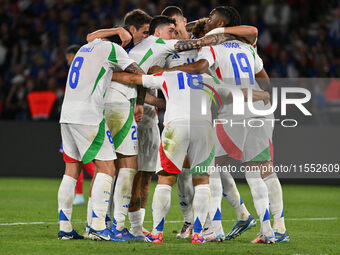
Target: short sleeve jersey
[88,78]
[235,63]
[188,96]
[148,52]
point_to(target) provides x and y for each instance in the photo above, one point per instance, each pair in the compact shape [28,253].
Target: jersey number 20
[74,74]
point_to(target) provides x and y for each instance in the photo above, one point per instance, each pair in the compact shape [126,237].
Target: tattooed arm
[184,45]
[134,68]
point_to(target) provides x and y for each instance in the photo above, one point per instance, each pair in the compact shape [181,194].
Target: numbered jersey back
[89,75]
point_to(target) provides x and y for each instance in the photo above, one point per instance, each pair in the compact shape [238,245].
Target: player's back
[235,63]
[88,78]
[188,96]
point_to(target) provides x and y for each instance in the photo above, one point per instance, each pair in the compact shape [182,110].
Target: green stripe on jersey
[112,57]
[96,144]
[100,75]
[146,56]
[215,79]
[201,167]
[124,131]
[252,51]
[160,41]
[263,156]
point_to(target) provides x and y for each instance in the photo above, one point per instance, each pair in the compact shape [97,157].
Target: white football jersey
[188,96]
[235,63]
[148,52]
[88,78]
[180,58]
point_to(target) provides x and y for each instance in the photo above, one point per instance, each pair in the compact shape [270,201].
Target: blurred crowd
[297,38]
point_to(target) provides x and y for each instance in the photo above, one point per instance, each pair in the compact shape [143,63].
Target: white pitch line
[148,221]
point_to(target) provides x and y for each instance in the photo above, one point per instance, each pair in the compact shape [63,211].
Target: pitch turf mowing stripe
[149,221]
[95,146]
[100,75]
[123,132]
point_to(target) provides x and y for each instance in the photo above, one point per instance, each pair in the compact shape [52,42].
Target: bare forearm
[209,40]
[248,32]
[260,95]
[103,33]
[263,80]
[127,78]
[155,101]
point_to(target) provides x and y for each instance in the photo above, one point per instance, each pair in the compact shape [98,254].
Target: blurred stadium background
[297,38]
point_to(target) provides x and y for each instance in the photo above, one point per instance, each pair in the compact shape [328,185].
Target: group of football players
[109,117]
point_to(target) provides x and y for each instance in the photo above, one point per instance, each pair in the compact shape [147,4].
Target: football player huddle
[206,70]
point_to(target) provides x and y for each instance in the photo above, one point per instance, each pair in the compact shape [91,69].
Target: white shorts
[121,122]
[84,143]
[245,143]
[148,144]
[185,137]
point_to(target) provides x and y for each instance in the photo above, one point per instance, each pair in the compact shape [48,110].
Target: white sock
[65,201]
[100,200]
[185,191]
[136,227]
[200,202]
[110,208]
[215,202]
[260,197]
[230,192]
[122,195]
[160,207]
[275,202]
[142,215]
[89,213]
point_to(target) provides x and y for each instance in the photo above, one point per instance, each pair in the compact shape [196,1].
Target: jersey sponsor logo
[86,49]
[231,45]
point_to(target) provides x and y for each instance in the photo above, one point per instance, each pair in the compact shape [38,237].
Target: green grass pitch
[312,219]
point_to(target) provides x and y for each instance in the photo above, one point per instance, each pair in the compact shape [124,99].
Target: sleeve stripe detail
[165,89]
[213,52]
[112,57]
[146,56]
[100,75]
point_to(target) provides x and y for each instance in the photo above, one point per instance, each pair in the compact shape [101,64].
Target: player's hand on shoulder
[155,69]
[125,36]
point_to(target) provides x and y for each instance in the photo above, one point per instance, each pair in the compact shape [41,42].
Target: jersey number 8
[74,74]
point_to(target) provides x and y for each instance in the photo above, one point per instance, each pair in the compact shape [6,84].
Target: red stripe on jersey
[165,88]
[213,52]
[215,92]
[156,109]
[68,159]
[227,144]
[271,150]
[166,163]
[218,72]
[158,74]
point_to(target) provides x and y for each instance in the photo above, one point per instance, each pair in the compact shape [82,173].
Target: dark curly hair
[230,14]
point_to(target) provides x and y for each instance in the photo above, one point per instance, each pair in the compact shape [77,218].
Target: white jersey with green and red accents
[180,58]
[235,63]
[88,78]
[188,96]
[148,52]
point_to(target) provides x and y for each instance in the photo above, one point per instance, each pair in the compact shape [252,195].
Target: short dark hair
[158,21]
[73,49]
[171,11]
[137,18]
[230,14]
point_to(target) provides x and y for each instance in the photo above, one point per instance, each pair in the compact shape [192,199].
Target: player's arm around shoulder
[184,45]
[249,33]
[123,34]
